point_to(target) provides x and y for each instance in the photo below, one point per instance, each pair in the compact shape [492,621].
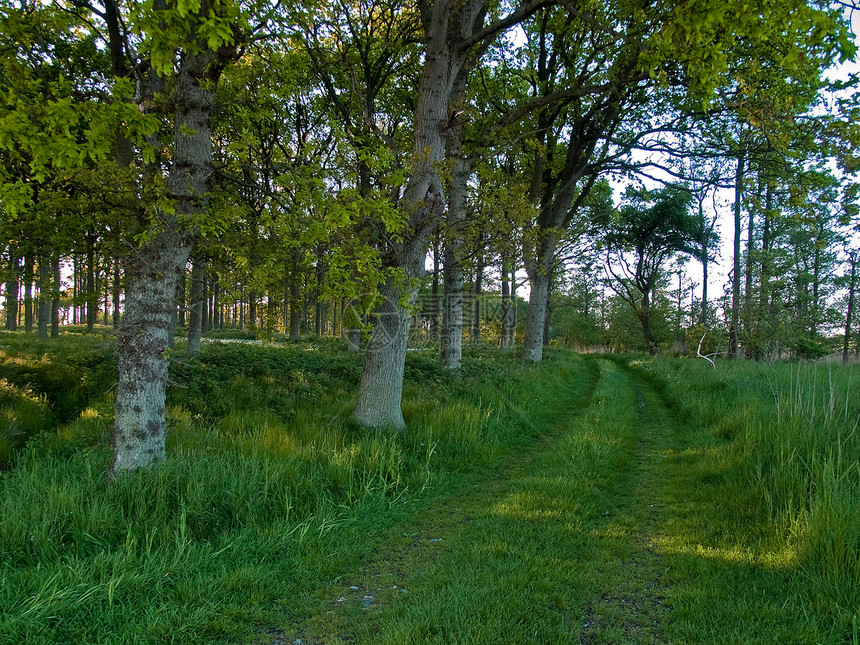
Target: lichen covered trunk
[154,270]
[452,300]
[384,363]
[451,353]
[140,428]
[382,378]
[539,283]
[195,318]
[538,268]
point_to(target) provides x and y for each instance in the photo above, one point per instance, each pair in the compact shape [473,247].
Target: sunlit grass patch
[267,489]
[784,463]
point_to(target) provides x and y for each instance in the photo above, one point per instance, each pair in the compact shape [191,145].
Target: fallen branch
[707,357]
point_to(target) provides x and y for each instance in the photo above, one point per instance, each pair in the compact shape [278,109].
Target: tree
[643,235]
[453,35]
[156,132]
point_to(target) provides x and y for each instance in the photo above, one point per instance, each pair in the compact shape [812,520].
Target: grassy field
[588,499]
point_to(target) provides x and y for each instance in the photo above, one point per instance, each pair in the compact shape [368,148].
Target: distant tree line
[200,164]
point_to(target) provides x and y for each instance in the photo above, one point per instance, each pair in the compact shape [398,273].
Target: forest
[327,321]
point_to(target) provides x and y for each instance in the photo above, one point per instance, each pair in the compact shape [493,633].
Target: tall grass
[268,487]
[790,450]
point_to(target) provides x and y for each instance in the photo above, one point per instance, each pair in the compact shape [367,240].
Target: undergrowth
[267,484]
[785,448]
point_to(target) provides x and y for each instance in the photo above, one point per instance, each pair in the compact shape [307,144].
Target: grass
[769,516]
[583,500]
[267,490]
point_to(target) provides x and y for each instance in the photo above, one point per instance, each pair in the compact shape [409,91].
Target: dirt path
[538,553]
[632,609]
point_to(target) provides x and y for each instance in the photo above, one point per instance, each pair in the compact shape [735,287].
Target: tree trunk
[28,293]
[195,314]
[319,314]
[748,276]
[287,304]
[11,301]
[117,289]
[295,308]
[353,324]
[548,314]
[734,344]
[55,296]
[705,287]
[539,279]
[204,303]
[433,308]
[539,282]
[139,427]
[816,290]
[452,304]
[507,307]
[182,299]
[644,315]
[764,289]
[382,379]
[91,294]
[252,309]
[476,323]
[451,347]
[44,297]
[106,296]
[852,281]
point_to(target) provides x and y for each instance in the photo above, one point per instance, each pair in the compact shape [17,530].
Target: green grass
[583,500]
[767,526]
[267,490]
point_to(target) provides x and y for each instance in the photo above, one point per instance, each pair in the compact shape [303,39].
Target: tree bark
[765,249]
[748,275]
[507,307]
[476,322]
[91,295]
[182,299]
[451,347]
[11,296]
[44,297]
[548,314]
[55,296]
[195,314]
[538,270]
[382,379]
[734,336]
[252,309]
[319,309]
[705,288]
[117,289]
[644,315]
[295,306]
[28,293]
[852,281]
[139,431]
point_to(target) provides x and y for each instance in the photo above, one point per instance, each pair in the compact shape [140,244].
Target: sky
[718,278]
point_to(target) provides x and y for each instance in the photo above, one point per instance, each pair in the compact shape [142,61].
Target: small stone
[353,588]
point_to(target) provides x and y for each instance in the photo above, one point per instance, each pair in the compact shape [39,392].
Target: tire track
[634,609]
[420,540]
